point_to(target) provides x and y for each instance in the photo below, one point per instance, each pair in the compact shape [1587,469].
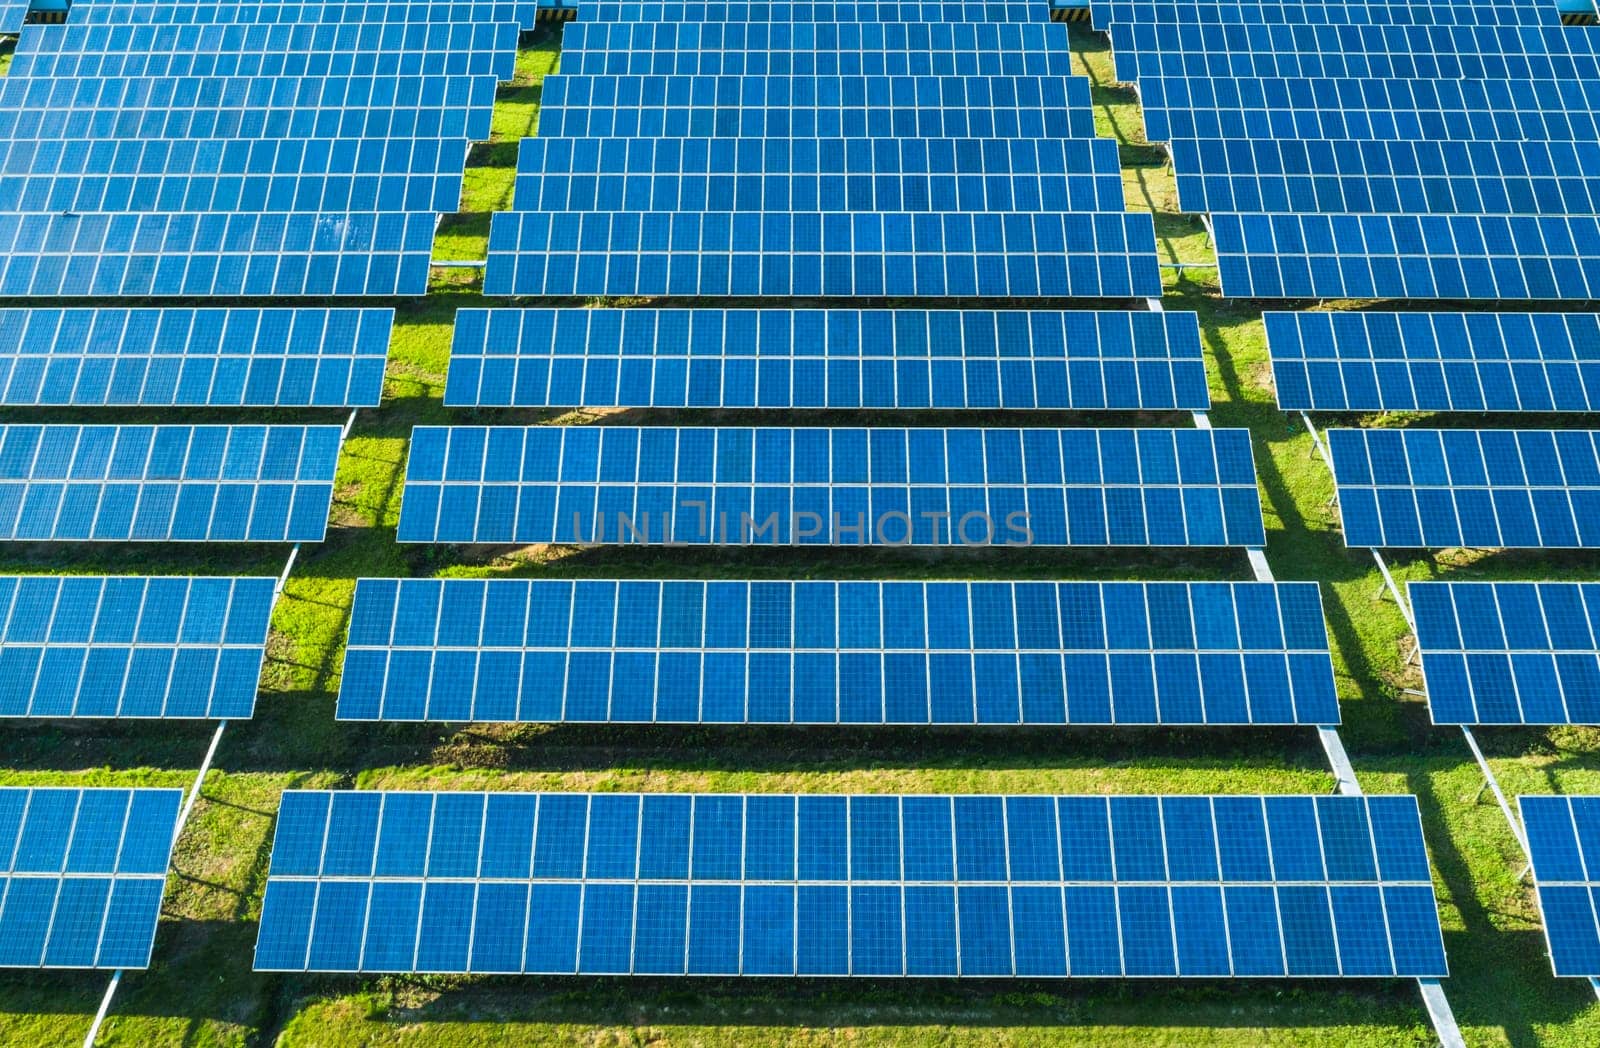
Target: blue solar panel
[1149,487]
[12,14]
[581,41]
[1361,108]
[123,12]
[673,884]
[808,175]
[1564,839]
[1509,652]
[92,646]
[216,253]
[816,107]
[1489,257]
[207,193]
[247,107]
[1480,488]
[81,875]
[951,254]
[810,63]
[211,357]
[838,652]
[736,11]
[1323,12]
[288,49]
[1525,178]
[357,158]
[775,358]
[1435,361]
[166,483]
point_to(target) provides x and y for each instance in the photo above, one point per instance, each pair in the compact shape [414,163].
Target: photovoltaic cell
[1322,12]
[718,253]
[1479,488]
[81,875]
[1564,838]
[885,62]
[713,11]
[1435,361]
[121,12]
[166,483]
[210,357]
[778,486]
[838,652]
[1494,257]
[771,41]
[1509,652]
[87,646]
[773,358]
[674,884]
[216,253]
[12,14]
[363,158]
[816,107]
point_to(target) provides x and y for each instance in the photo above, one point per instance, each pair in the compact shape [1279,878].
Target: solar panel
[12,14]
[1362,108]
[90,646]
[1041,653]
[679,11]
[289,49]
[212,357]
[1525,178]
[1478,488]
[581,39]
[674,884]
[166,483]
[774,486]
[1509,652]
[81,875]
[1487,257]
[951,254]
[815,107]
[802,174]
[247,107]
[123,12]
[811,63]
[285,193]
[771,358]
[1564,840]
[216,253]
[1435,361]
[1322,12]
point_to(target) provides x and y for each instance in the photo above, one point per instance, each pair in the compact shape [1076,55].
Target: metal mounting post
[1444,1020]
[1499,795]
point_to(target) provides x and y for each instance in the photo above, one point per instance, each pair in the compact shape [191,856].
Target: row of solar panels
[849,653]
[782,885]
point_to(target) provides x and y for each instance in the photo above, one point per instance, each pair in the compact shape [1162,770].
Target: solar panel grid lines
[82,873]
[1564,842]
[61,483]
[726,652]
[1400,13]
[287,65]
[1363,108]
[900,886]
[943,254]
[1436,489]
[247,107]
[1377,176]
[872,12]
[1509,652]
[131,647]
[768,358]
[583,38]
[1528,257]
[575,106]
[1501,362]
[214,357]
[12,14]
[780,486]
[234,156]
[1134,65]
[811,63]
[258,194]
[522,12]
[216,253]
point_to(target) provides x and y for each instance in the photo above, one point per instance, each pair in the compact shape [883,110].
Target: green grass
[201,991]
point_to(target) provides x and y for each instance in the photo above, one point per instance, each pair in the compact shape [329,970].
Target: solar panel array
[666,884]
[884,74]
[81,875]
[1376,150]
[837,358]
[1476,362]
[126,646]
[1564,842]
[781,486]
[1509,652]
[209,12]
[194,357]
[838,652]
[166,483]
[241,149]
[1485,488]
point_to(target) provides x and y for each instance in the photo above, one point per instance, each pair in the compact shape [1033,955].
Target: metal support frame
[457,263]
[1493,784]
[105,1007]
[1394,590]
[1594,984]
[1444,1020]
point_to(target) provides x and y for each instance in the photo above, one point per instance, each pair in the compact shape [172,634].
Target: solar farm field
[268,934]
